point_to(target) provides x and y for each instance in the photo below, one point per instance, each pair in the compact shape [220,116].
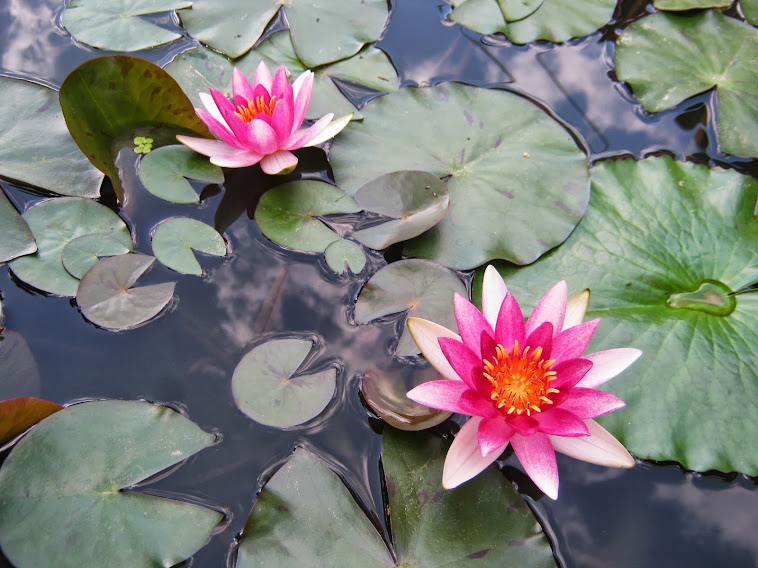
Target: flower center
[520,381]
[255,107]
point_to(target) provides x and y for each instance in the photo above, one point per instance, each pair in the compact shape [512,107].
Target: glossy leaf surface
[81,253]
[163,172]
[175,239]
[342,255]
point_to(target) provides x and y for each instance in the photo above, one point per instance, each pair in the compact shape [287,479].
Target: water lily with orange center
[524,383]
[262,122]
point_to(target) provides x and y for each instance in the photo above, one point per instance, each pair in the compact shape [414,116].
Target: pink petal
[463,360]
[571,343]
[510,324]
[281,162]
[426,334]
[301,137]
[219,129]
[464,459]
[280,87]
[208,147]
[301,90]
[551,308]
[576,307]
[493,294]
[471,323]
[561,422]
[538,459]
[241,87]
[442,395]
[261,92]
[599,447]
[569,373]
[210,106]
[281,120]
[262,137]
[332,129]
[238,160]
[607,364]
[262,77]
[473,403]
[524,425]
[541,337]
[588,403]
[238,126]
[493,434]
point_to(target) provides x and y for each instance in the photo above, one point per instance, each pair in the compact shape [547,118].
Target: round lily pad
[419,288]
[55,223]
[37,148]
[175,239]
[87,516]
[668,57]
[16,238]
[107,299]
[81,253]
[163,170]
[20,414]
[750,9]
[661,247]
[342,255]
[115,24]
[322,33]
[414,201]
[521,22]
[267,389]
[287,214]
[518,183]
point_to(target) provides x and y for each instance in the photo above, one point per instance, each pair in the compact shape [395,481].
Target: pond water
[652,515]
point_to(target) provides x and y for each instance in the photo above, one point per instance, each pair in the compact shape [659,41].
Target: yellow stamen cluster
[255,107]
[520,381]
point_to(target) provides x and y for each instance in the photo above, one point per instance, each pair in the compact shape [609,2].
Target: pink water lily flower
[526,384]
[261,123]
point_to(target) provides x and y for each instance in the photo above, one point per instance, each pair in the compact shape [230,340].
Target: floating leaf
[107,99]
[416,201]
[54,512]
[175,239]
[287,214]
[107,299]
[667,58]
[305,516]
[55,223]
[750,9]
[162,172]
[267,390]
[552,20]
[662,244]
[420,288]
[19,376]
[115,24]
[343,254]
[385,394]
[518,183]
[680,5]
[37,148]
[81,253]
[484,523]
[16,238]
[321,33]
[19,414]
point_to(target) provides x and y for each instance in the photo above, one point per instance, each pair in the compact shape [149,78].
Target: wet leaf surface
[19,414]
[175,239]
[163,172]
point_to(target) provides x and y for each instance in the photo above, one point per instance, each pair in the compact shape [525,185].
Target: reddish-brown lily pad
[20,414]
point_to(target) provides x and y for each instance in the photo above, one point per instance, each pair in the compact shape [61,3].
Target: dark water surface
[653,515]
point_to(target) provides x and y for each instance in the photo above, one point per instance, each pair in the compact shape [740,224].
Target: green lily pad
[267,389]
[175,239]
[115,24]
[81,253]
[414,200]
[19,375]
[45,491]
[19,414]
[287,214]
[107,100]
[518,183]
[37,148]
[322,33]
[667,58]
[305,516]
[483,523]
[107,299]
[750,9]
[162,172]
[384,392]
[342,255]
[419,288]
[55,223]
[680,5]
[16,238]
[515,10]
[553,20]
[660,247]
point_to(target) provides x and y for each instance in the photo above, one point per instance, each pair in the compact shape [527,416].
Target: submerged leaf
[19,375]
[16,238]
[175,239]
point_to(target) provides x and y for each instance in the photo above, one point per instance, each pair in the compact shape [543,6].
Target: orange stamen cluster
[255,107]
[520,381]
